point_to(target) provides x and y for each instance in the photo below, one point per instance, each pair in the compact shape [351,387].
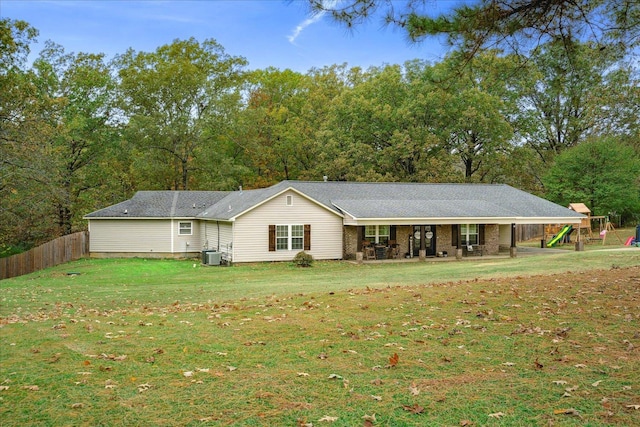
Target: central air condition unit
[205,256]
[213,258]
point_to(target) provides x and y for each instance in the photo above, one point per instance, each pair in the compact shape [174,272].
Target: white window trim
[289,199]
[376,238]
[465,236]
[290,237]
[180,233]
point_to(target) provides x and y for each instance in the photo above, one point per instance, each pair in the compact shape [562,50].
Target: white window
[185,228]
[289,237]
[282,237]
[377,233]
[469,234]
[289,200]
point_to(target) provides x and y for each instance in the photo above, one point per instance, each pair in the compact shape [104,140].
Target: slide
[630,241]
[565,230]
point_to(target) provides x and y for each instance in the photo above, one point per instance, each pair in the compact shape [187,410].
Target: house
[329,220]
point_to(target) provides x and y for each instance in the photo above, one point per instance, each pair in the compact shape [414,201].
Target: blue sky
[266,32]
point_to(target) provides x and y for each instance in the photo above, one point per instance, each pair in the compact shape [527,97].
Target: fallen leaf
[188,374]
[303,374]
[335,377]
[496,415]
[414,390]
[370,418]
[568,411]
[328,419]
[144,387]
[31,387]
[378,398]
[560,382]
[231,368]
[77,406]
[393,360]
[596,384]
[414,409]
[636,407]
[580,365]
[509,364]
[4,387]
[465,423]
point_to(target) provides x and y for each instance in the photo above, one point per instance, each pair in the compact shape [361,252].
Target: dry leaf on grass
[370,418]
[4,387]
[414,390]
[144,387]
[636,407]
[393,360]
[328,419]
[497,415]
[414,409]
[567,411]
[31,387]
[465,423]
[77,406]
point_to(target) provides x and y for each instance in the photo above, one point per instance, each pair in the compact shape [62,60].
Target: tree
[602,173]
[570,91]
[473,104]
[176,102]
[513,25]
[79,92]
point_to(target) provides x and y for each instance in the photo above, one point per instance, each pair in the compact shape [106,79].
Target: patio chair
[369,250]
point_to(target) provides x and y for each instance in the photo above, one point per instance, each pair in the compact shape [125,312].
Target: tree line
[79,131]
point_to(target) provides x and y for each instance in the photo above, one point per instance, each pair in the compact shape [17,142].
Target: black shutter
[454,235]
[392,233]
[481,234]
[307,237]
[272,238]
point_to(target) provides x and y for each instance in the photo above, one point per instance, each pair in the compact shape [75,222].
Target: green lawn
[534,340]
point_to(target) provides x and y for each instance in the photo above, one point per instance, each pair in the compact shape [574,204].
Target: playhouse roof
[580,208]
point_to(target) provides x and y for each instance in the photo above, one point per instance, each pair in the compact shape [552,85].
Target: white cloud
[310,21]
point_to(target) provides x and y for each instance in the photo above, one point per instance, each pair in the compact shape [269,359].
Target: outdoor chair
[369,250]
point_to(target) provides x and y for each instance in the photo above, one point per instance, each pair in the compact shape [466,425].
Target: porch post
[513,250]
[459,242]
[422,252]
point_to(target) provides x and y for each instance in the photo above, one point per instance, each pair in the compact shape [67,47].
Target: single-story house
[327,219]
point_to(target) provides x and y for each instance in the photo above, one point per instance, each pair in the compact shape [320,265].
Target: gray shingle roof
[360,200]
[161,204]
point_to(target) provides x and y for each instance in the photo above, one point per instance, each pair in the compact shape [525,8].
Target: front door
[424,234]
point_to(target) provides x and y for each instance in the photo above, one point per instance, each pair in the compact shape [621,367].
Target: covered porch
[379,242]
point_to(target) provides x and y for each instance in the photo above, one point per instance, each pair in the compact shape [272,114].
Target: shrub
[303,259]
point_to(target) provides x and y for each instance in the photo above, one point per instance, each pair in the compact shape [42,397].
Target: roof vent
[126,211]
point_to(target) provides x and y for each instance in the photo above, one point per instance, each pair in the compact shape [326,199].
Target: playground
[593,231]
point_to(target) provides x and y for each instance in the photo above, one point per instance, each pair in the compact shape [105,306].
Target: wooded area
[79,131]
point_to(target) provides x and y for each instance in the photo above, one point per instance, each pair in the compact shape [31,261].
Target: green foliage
[602,173]
[303,259]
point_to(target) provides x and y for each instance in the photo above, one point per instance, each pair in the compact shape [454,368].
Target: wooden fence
[529,231]
[63,249]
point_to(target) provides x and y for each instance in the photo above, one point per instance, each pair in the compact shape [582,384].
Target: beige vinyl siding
[186,243]
[251,230]
[210,236]
[130,235]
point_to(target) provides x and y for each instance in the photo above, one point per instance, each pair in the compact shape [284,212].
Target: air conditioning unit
[211,257]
